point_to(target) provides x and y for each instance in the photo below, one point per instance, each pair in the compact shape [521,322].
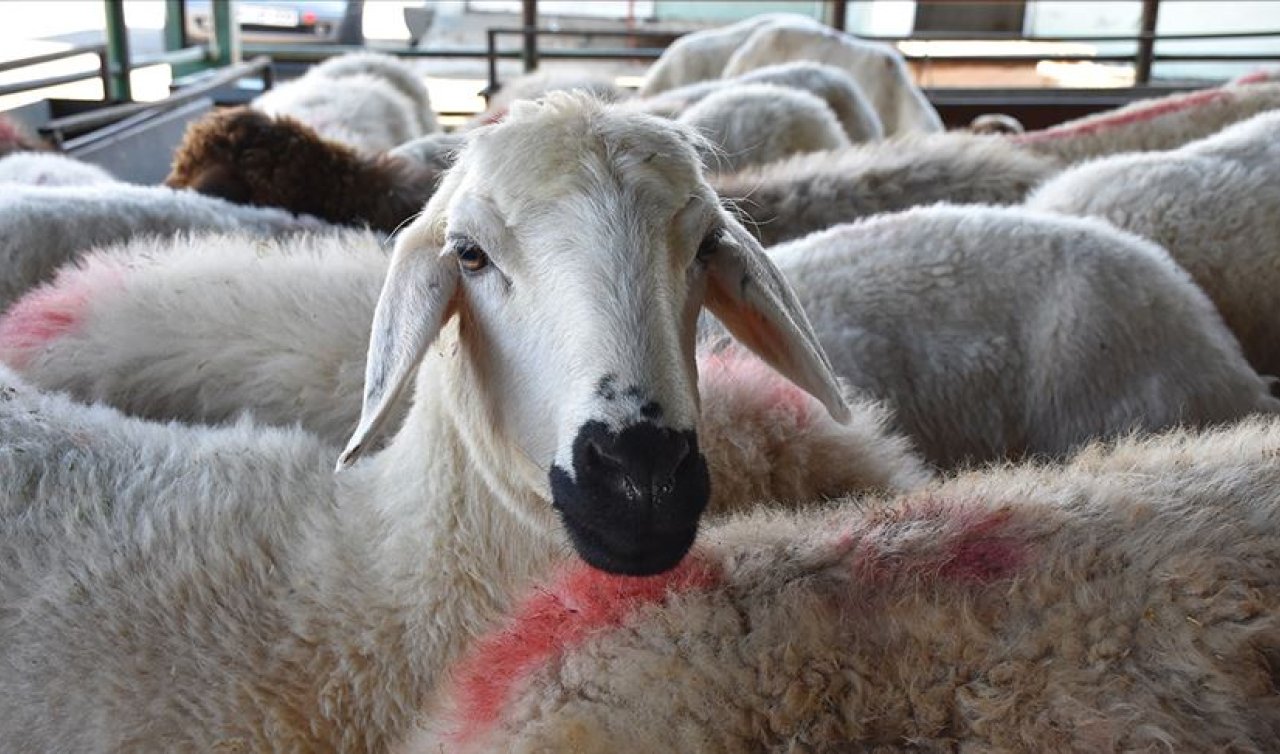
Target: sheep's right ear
[417,299]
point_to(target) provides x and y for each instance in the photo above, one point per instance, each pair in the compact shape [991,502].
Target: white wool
[879,70]
[702,55]
[1128,601]
[831,84]
[997,332]
[50,169]
[1153,124]
[1214,204]
[369,102]
[43,227]
[755,124]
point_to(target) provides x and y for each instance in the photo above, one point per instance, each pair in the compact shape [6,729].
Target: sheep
[755,124]
[1129,601]
[541,82]
[43,227]
[941,313]
[1261,75]
[829,83]
[792,198]
[50,169]
[193,588]
[283,341]
[365,103]
[879,71]
[1213,204]
[998,332]
[248,157]
[702,55]
[1154,124]
[392,70]
[434,150]
[996,123]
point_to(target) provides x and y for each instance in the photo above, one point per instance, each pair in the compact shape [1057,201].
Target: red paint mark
[53,310]
[496,116]
[1260,76]
[579,602]
[10,134]
[1159,108]
[750,382]
[935,538]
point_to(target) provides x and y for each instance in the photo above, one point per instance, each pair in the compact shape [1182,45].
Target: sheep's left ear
[417,299]
[748,294]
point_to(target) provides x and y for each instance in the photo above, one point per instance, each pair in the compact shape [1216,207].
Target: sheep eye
[710,244]
[471,257]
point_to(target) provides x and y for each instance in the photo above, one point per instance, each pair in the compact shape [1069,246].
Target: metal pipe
[839,12]
[226,33]
[49,57]
[529,18]
[1147,44]
[118,89]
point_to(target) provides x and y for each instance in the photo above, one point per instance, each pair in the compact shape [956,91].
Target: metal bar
[49,57]
[226,33]
[198,54]
[529,17]
[95,118]
[491,48]
[1147,45]
[306,53]
[839,12]
[117,53]
[175,24]
[66,78]
[927,36]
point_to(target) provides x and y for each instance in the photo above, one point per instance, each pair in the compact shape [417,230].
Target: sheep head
[577,243]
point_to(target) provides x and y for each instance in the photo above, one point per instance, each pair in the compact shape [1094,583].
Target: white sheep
[755,124]
[357,102]
[996,332]
[1154,124]
[194,589]
[543,81]
[1214,204]
[879,70]
[392,70]
[792,198]
[43,227]
[435,150]
[1129,601]
[1260,75]
[941,313]
[702,55]
[50,169]
[282,336]
[831,84]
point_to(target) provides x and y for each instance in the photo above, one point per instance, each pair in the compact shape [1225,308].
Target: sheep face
[576,244]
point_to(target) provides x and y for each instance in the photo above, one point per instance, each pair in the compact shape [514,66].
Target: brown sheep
[248,157]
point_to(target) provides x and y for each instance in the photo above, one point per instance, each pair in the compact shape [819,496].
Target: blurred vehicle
[276,21]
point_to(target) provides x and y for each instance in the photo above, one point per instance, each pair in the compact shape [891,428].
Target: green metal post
[175,35]
[226,33]
[117,52]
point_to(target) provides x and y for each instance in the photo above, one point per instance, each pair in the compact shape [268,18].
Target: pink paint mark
[1162,107]
[54,310]
[935,539]
[750,382]
[1260,76]
[579,602]
[10,134]
[496,116]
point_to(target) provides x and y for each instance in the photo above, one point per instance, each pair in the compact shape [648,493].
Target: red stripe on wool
[755,385]
[1161,108]
[972,544]
[53,310]
[579,602]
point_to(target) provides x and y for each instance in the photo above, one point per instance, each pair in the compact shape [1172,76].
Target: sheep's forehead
[557,156]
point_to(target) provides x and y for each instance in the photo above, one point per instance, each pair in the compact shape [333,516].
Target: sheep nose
[640,466]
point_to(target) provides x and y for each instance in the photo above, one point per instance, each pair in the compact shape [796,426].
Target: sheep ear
[748,294]
[417,299]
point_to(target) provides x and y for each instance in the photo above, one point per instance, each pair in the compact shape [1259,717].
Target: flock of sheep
[978,441]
